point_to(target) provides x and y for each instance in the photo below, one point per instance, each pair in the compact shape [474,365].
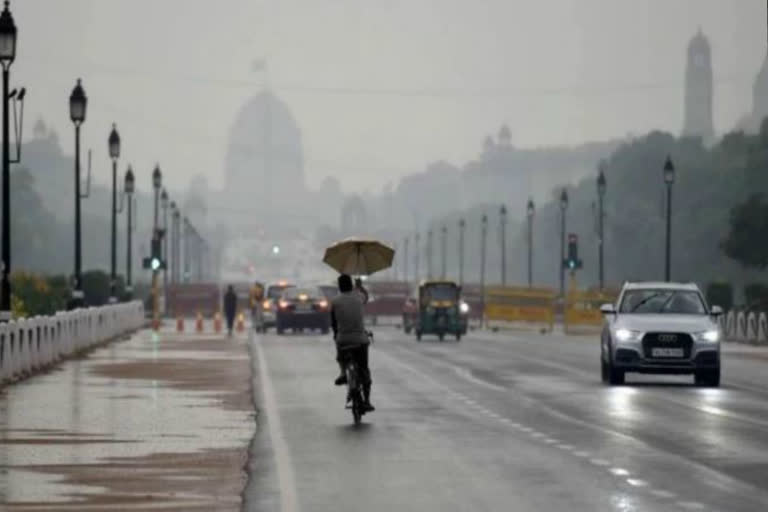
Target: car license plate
[667,352]
[303,308]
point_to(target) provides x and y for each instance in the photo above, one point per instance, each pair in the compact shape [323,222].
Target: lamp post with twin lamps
[78,102]
[114,154]
[669,180]
[7,56]
[129,188]
[530,210]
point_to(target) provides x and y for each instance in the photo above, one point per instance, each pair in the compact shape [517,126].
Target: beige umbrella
[359,257]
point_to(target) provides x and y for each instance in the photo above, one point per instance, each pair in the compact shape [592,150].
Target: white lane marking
[600,462]
[690,505]
[636,482]
[661,493]
[565,447]
[463,372]
[619,471]
[549,440]
[582,454]
[285,474]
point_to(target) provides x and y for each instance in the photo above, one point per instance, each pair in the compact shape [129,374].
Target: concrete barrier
[30,344]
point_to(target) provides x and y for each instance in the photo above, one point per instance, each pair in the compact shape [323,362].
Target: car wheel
[325,330]
[279,330]
[418,335]
[615,376]
[603,370]
[707,378]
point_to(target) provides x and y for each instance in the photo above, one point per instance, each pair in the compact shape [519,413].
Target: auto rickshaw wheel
[458,336]
[418,335]
[441,336]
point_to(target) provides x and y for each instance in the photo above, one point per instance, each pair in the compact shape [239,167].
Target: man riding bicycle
[349,333]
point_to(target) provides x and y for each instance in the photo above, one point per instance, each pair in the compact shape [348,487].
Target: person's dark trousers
[360,356]
[230,323]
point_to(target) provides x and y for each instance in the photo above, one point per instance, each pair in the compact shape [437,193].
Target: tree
[747,241]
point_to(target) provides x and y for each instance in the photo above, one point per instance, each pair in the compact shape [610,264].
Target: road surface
[504,422]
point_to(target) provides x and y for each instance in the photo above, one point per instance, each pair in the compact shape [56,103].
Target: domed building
[265,157]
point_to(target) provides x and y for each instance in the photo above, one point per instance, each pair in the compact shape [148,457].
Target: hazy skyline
[379,89]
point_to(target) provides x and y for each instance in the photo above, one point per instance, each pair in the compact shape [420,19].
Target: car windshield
[275,292]
[299,293]
[329,291]
[681,302]
[441,292]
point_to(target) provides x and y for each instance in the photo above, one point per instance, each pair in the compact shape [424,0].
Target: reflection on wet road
[514,422]
[155,421]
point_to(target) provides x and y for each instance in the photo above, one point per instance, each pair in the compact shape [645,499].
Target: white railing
[30,344]
[746,327]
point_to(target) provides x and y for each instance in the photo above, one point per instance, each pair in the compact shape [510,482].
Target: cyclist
[350,335]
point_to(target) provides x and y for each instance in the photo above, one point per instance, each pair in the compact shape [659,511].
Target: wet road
[505,422]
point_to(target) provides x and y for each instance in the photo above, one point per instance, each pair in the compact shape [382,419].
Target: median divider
[582,310]
[29,345]
[513,307]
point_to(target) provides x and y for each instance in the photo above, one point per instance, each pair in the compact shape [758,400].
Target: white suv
[661,328]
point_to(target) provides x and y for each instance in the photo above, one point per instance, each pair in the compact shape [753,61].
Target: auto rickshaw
[439,310]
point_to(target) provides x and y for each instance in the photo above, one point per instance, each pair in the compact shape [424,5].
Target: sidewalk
[157,422]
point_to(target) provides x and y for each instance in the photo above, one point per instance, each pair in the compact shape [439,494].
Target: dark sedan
[303,308]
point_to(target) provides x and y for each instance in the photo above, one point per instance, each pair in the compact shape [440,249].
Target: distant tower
[505,136]
[698,89]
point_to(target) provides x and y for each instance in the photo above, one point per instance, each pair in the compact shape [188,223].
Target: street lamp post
[444,256]
[114,154]
[187,234]
[78,102]
[503,228]
[483,238]
[529,213]
[429,254]
[174,247]
[669,180]
[129,188]
[462,227]
[165,258]
[563,208]
[417,252]
[601,186]
[405,259]
[7,56]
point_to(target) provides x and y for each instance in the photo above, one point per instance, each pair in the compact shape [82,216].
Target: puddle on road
[174,415]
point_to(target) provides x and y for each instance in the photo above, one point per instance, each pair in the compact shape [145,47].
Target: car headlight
[464,307]
[627,335]
[711,336]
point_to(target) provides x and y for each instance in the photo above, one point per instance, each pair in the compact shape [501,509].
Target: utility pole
[443,253]
[503,228]
[483,239]
[462,226]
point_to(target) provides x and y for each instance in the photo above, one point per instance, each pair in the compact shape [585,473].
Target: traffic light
[155,261]
[572,261]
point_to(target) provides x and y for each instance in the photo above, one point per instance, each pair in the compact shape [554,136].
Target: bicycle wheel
[357,407]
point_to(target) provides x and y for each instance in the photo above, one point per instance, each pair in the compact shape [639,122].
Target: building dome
[699,44]
[265,154]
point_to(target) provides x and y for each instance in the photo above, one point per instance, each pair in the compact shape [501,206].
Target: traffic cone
[240,322]
[199,322]
[217,322]
[179,324]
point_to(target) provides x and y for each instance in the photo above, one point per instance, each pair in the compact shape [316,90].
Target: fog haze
[379,89]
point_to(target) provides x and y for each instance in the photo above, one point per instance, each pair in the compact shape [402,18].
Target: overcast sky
[379,87]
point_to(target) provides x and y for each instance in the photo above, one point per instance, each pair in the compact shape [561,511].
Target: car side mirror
[715,311]
[608,309]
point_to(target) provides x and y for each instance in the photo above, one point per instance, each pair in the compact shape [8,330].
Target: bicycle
[355,386]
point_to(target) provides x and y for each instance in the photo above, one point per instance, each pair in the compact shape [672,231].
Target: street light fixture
[503,228]
[78,103]
[669,180]
[529,213]
[561,264]
[483,239]
[8,35]
[462,227]
[114,153]
[601,186]
[129,188]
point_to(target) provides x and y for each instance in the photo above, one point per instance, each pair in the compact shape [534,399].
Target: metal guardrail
[29,345]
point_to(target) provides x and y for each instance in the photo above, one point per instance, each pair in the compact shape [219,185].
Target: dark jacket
[230,304]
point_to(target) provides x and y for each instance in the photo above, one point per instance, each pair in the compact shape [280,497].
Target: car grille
[667,340]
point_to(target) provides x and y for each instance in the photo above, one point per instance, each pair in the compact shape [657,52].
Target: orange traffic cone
[199,322]
[217,322]
[179,324]
[240,322]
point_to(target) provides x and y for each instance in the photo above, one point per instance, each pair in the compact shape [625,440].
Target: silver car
[661,328]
